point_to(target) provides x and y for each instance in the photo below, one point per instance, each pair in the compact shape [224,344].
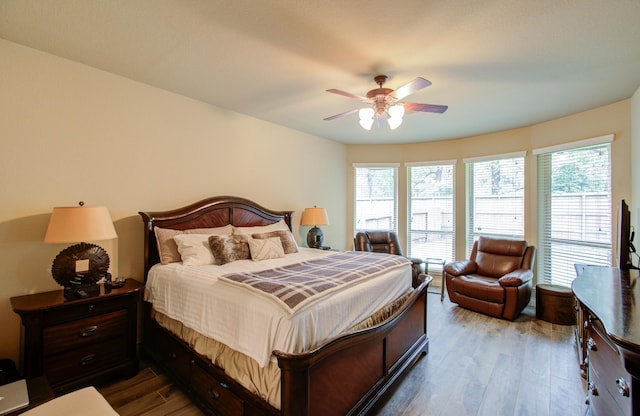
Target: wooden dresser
[79,342]
[608,301]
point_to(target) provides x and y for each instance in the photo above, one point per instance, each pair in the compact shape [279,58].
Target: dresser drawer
[85,331]
[80,361]
[607,374]
[217,394]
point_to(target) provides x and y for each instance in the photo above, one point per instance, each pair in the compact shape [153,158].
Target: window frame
[471,235]
[450,252]
[394,219]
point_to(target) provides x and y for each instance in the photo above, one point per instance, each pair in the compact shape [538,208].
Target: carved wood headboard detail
[209,213]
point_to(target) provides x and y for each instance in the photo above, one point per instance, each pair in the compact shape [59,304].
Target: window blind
[376,193]
[495,198]
[575,216]
[431,216]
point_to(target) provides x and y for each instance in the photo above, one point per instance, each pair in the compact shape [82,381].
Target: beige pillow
[167,248]
[194,249]
[280,225]
[286,238]
[266,248]
[226,249]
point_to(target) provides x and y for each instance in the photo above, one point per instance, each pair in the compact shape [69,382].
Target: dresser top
[611,294]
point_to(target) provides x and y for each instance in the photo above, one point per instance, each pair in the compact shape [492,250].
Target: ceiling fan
[386,105]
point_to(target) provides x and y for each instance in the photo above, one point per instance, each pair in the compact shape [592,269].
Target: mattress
[255,325]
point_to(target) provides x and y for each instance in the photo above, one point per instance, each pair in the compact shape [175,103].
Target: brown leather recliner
[386,242]
[496,279]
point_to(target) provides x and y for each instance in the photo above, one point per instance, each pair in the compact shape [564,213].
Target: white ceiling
[497,64]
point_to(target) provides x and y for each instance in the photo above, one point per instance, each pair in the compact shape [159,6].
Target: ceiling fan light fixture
[394,122]
[366,117]
[396,111]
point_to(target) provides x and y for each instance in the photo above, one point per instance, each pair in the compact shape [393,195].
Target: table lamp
[79,267]
[314,216]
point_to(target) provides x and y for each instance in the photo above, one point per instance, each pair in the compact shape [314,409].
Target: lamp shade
[314,216]
[79,224]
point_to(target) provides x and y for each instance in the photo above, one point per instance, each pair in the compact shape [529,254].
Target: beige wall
[611,119]
[69,132]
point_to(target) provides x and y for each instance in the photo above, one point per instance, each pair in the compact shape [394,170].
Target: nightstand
[75,343]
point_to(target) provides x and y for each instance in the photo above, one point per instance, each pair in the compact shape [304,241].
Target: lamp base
[315,237]
[81,291]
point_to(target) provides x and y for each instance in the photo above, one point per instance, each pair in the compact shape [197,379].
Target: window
[431,210]
[575,209]
[495,197]
[376,190]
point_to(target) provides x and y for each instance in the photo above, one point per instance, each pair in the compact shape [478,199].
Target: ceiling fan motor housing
[381,99]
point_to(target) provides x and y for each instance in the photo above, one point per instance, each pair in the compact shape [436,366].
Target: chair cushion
[480,287]
[495,258]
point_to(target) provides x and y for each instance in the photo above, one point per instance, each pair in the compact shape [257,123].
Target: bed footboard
[348,375]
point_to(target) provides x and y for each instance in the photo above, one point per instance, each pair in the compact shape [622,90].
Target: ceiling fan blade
[411,87]
[348,94]
[428,108]
[346,113]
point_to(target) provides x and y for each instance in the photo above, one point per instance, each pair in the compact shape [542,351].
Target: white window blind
[376,194]
[431,211]
[495,198]
[575,211]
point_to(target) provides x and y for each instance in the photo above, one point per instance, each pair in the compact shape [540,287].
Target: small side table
[75,343]
[39,392]
[440,262]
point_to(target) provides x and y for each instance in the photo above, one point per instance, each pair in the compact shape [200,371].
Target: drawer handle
[592,389]
[591,344]
[87,359]
[91,307]
[87,332]
[623,387]
[213,394]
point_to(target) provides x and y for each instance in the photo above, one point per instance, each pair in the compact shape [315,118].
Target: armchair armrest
[461,267]
[516,277]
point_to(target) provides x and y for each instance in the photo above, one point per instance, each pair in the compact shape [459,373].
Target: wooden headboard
[209,213]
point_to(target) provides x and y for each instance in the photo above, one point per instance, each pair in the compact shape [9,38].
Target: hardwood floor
[477,365]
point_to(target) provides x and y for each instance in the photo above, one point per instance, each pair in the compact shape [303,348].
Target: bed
[338,371]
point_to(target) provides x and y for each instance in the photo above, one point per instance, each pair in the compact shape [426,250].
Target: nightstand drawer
[84,331]
[80,361]
[85,308]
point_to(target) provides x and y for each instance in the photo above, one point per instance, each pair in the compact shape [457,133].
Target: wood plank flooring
[477,365]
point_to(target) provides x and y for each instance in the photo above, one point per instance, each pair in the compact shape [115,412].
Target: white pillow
[266,248]
[194,249]
[280,225]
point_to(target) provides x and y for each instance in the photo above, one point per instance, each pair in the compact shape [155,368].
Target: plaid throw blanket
[296,285]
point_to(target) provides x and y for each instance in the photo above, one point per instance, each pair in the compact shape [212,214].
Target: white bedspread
[254,325]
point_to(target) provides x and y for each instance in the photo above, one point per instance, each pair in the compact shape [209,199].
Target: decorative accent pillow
[280,225]
[194,249]
[266,248]
[226,249]
[167,248]
[286,238]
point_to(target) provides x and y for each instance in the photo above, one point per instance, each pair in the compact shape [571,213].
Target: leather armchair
[496,279]
[386,242]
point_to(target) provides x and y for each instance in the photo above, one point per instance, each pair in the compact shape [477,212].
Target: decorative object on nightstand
[79,267]
[314,216]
